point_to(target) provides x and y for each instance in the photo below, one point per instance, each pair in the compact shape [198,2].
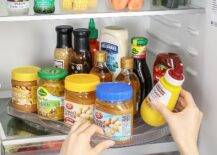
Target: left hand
[78,141]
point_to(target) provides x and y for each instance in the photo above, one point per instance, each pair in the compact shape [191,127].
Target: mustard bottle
[166,91]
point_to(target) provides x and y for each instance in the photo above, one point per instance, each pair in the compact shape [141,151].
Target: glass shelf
[102,11]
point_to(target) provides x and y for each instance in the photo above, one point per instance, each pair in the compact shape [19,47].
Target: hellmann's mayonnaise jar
[166,91]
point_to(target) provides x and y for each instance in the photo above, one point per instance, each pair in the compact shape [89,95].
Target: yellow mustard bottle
[166,91]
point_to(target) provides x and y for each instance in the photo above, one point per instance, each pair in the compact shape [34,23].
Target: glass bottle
[93,42]
[100,69]
[44,6]
[63,52]
[138,47]
[127,75]
[81,60]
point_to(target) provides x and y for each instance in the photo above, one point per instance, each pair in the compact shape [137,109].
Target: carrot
[119,4]
[135,4]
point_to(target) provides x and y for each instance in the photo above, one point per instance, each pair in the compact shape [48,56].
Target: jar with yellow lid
[24,87]
[79,97]
[114,110]
[50,93]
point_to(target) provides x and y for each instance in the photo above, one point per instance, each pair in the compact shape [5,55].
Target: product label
[49,105]
[74,112]
[24,95]
[44,4]
[138,51]
[59,63]
[20,4]
[112,55]
[159,93]
[118,127]
[77,68]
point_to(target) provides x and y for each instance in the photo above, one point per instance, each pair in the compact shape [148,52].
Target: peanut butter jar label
[22,95]
[74,112]
[118,127]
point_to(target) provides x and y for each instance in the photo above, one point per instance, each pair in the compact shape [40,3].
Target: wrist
[189,148]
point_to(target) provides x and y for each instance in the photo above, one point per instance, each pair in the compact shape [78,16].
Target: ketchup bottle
[93,42]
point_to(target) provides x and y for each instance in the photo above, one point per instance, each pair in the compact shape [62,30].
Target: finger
[187,97]
[182,102]
[89,132]
[83,127]
[103,145]
[162,109]
[75,127]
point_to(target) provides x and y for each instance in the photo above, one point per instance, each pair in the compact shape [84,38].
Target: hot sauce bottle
[93,42]
[138,50]
[81,61]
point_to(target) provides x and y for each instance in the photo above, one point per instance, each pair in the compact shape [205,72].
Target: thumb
[102,146]
[162,109]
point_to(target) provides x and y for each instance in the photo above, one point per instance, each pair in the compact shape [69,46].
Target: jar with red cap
[166,91]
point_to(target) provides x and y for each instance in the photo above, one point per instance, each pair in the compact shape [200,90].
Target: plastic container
[166,91]
[114,41]
[132,5]
[24,87]
[114,110]
[20,7]
[50,93]
[79,97]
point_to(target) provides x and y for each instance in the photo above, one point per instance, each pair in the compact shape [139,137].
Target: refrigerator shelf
[101,12]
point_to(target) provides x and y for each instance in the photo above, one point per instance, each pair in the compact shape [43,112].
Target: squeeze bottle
[166,91]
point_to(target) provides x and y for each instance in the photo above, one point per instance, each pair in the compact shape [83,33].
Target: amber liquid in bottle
[100,69]
[127,75]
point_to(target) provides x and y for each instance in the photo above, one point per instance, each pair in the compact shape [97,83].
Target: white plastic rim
[172,80]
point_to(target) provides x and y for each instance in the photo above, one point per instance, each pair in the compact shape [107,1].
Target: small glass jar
[79,97]
[114,110]
[24,87]
[18,7]
[44,6]
[50,93]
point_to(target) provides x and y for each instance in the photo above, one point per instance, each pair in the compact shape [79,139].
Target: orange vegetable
[119,4]
[135,5]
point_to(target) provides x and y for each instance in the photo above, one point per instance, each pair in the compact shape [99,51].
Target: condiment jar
[50,93]
[24,87]
[114,110]
[79,97]
[18,7]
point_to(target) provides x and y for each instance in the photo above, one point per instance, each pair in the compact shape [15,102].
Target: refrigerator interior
[33,43]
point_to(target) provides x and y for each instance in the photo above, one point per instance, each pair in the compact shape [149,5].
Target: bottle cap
[175,76]
[64,29]
[139,41]
[25,73]
[127,63]
[52,73]
[93,31]
[81,82]
[101,56]
[114,92]
[82,32]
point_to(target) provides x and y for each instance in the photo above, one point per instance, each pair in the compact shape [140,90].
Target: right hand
[184,126]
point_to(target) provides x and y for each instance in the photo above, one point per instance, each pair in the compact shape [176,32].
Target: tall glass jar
[50,93]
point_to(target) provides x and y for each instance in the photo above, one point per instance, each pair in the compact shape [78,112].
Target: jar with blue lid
[114,110]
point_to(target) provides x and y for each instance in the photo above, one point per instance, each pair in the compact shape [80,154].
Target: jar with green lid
[44,6]
[50,93]
[79,97]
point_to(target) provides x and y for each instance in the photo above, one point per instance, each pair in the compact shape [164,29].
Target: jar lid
[81,82]
[139,41]
[52,73]
[65,29]
[25,73]
[114,92]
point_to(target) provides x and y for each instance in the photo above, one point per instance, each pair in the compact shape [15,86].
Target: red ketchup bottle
[163,62]
[93,42]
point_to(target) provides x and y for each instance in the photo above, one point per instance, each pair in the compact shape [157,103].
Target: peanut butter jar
[114,110]
[79,97]
[24,88]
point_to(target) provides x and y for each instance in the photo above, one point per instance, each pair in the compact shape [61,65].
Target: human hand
[184,126]
[78,141]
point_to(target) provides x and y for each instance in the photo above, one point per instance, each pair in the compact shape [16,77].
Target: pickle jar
[79,97]
[50,93]
[114,110]
[24,87]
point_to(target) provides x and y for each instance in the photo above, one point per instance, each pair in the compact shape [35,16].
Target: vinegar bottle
[127,75]
[100,69]
[166,91]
